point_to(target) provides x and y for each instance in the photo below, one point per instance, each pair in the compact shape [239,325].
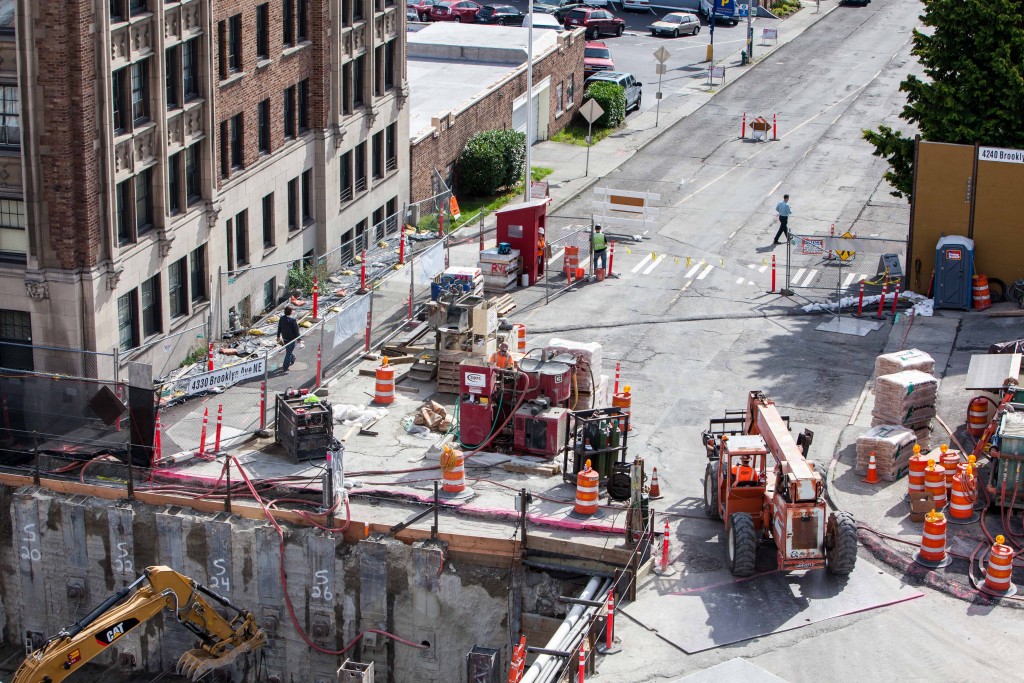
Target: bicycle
[1015,293]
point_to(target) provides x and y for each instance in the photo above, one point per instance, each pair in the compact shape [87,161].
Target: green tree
[973,59]
[491,160]
[611,97]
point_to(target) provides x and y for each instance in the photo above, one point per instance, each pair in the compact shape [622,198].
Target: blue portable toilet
[954,267]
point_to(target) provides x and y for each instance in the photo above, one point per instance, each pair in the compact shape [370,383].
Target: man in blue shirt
[784,213]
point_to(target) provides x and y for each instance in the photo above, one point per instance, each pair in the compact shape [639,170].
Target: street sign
[591,110]
[662,55]
[743,10]
[660,69]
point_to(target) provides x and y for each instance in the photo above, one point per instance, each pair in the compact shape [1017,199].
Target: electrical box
[355,672]
[476,421]
[954,267]
[304,429]
[476,377]
[541,434]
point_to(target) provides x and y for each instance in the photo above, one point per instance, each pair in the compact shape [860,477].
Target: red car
[422,8]
[596,57]
[595,21]
[462,10]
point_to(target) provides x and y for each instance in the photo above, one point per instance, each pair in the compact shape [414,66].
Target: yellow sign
[846,254]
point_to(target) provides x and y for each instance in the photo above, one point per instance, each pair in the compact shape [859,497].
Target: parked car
[633,87]
[538,20]
[422,8]
[595,21]
[596,57]
[559,8]
[502,15]
[411,15]
[595,3]
[675,24]
[460,11]
[636,5]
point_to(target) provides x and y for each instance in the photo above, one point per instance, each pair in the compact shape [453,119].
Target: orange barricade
[962,496]
[977,416]
[915,475]
[982,297]
[949,460]
[453,470]
[1000,570]
[933,542]
[935,484]
[586,492]
[624,401]
[384,392]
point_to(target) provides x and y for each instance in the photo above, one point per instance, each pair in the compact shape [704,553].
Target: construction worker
[502,358]
[541,246]
[743,472]
[600,248]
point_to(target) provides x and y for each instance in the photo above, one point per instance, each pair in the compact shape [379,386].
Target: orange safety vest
[744,473]
[540,246]
[502,361]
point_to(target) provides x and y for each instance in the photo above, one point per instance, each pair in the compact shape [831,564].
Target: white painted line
[750,265]
[751,282]
[731,234]
[693,270]
[654,264]
[739,281]
[641,264]
[848,280]
[557,255]
[762,269]
[704,273]
[799,274]
[809,278]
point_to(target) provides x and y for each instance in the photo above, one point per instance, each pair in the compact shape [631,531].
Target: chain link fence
[824,266]
[58,360]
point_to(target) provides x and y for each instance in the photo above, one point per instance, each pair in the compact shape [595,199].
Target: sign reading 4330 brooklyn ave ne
[1010,156]
[223,377]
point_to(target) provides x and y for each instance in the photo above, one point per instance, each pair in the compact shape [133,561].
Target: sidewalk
[569,161]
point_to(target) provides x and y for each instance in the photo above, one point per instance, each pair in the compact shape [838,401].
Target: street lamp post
[529,100]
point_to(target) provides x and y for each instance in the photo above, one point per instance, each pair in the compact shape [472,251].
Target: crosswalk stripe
[751,282]
[705,272]
[739,281]
[848,280]
[799,274]
[642,263]
[809,278]
[750,265]
[762,269]
[695,268]
[654,264]
[557,255]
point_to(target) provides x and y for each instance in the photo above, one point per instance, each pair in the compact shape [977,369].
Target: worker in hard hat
[502,358]
[600,246]
[743,472]
[541,248]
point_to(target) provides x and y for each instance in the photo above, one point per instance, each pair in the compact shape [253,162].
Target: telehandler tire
[742,544]
[711,491]
[841,543]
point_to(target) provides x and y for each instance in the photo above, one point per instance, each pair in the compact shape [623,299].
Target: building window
[152,321]
[378,71]
[358,80]
[172,66]
[127,327]
[116,10]
[559,102]
[236,141]
[378,223]
[263,31]
[304,105]
[301,23]
[346,88]
[293,204]
[389,64]
[13,236]
[377,152]
[190,69]
[268,221]
[241,239]
[117,92]
[307,196]
[288,22]
[137,6]
[143,202]
[391,148]
[140,92]
[264,126]
[224,165]
[193,175]
[360,163]
[174,184]
[197,263]
[357,10]
[10,116]
[235,43]
[345,172]
[269,294]
[392,209]
[16,328]
[124,226]
[570,90]
[289,112]
[177,288]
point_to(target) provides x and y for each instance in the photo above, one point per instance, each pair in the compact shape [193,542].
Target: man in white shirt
[784,213]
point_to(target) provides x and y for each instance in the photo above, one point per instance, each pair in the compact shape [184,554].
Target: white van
[541,20]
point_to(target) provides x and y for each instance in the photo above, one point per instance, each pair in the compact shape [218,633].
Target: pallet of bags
[892,445]
[899,396]
[588,359]
[899,361]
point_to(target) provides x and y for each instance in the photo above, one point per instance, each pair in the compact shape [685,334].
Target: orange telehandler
[786,503]
[159,588]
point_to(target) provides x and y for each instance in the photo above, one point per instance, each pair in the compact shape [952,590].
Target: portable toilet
[954,267]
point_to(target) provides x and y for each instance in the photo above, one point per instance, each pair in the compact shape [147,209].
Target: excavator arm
[159,588]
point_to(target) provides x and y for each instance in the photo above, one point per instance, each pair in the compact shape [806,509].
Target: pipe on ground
[545,665]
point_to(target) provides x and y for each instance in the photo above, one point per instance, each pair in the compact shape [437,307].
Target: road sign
[591,110]
[660,69]
[743,10]
[662,55]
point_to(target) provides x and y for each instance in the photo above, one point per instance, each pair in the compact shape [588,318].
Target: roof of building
[450,64]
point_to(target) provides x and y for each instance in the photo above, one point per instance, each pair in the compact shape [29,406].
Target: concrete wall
[61,556]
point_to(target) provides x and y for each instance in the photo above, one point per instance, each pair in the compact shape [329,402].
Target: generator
[304,427]
[540,429]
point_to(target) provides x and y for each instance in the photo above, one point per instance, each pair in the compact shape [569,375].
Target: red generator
[539,429]
[549,379]
[476,411]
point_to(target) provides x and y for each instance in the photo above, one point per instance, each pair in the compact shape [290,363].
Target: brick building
[466,79]
[150,147]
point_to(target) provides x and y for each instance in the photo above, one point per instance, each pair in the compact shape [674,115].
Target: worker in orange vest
[743,472]
[502,358]
[541,245]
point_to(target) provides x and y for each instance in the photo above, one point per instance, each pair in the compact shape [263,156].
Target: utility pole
[751,8]
[529,102]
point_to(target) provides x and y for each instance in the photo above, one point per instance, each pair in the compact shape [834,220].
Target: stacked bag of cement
[906,399]
[588,360]
[911,359]
[892,446]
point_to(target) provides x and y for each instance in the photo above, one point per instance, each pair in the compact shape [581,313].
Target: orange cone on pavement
[655,486]
[158,450]
[915,475]
[872,476]
[999,571]
[933,542]
[963,495]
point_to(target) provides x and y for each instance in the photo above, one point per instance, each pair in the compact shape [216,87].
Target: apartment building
[152,150]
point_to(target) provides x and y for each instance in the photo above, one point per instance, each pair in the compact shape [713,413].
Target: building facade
[166,147]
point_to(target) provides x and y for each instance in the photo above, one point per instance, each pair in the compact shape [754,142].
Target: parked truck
[725,11]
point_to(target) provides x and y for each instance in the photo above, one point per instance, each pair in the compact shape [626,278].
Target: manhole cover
[702,563]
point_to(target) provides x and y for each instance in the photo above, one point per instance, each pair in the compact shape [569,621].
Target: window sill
[295,233]
[264,63]
[294,49]
[267,251]
[179,321]
[232,79]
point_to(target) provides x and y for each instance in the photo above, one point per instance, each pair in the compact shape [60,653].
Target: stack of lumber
[900,361]
[504,304]
[501,271]
[906,399]
[892,446]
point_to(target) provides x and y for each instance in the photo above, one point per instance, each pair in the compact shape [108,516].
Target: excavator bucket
[194,664]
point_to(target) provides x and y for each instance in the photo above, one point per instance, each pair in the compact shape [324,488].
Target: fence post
[481,231]
[319,357]
[788,291]
[220,298]
[117,364]
[263,394]
[412,284]
[369,321]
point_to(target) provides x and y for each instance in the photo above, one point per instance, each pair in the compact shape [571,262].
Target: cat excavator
[222,641]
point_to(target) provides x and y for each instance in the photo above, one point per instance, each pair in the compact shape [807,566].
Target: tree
[973,62]
[492,160]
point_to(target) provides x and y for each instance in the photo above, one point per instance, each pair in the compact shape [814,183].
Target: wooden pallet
[504,303]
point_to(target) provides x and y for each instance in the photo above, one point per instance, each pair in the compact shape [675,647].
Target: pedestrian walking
[600,246]
[784,213]
[288,334]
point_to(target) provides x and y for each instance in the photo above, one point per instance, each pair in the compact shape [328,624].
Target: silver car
[675,24]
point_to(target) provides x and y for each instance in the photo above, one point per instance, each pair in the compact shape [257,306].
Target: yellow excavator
[159,588]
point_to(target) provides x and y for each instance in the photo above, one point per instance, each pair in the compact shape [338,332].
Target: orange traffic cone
[872,477]
[158,450]
[655,486]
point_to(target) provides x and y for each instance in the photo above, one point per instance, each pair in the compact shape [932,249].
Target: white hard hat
[541,230]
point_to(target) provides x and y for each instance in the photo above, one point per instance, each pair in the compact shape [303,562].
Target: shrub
[492,160]
[611,97]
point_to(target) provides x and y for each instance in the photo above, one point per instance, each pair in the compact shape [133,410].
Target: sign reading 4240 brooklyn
[223,377]
[1012,156]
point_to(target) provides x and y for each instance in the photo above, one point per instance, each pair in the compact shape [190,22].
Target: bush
[611,97]
[492,160]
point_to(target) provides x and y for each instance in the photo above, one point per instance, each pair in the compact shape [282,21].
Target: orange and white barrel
[935,484]
[982,297]
[384,391]
[453,470]
[977,416]
[949,461]
[571,262]
[519,332]
[624,400]
[915,475]
[962,496]
[999,570]
[586,492]
[933,542]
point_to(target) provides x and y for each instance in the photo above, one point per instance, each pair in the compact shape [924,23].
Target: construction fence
[58,360]
[831,267]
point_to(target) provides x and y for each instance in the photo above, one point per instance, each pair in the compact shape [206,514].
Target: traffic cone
[158,450]
[655,486]
[872,477]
